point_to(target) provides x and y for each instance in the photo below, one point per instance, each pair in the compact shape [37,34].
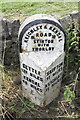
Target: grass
[21,10]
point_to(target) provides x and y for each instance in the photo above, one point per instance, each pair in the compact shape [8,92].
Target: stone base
[41,84]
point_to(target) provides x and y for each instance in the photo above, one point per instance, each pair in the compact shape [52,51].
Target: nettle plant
[72,60]
[73,47]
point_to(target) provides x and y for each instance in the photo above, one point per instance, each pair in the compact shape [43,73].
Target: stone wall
[9,55]
[9,42]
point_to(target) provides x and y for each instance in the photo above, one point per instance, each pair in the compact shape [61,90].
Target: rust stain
[35,46]
[37,39]
[24,50]
[43,104]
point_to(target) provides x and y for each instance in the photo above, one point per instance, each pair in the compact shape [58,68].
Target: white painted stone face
[41,40]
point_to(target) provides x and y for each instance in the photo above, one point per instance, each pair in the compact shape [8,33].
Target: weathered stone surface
[66,21]
[42,85]
[9,24]
[4,28]
[9,42]
[15,28]
[75,16]
[11,53]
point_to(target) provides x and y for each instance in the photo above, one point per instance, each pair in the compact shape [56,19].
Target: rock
[75,17]
[75,14]
[66,21]
[17,80]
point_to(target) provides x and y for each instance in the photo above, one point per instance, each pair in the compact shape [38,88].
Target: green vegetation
[23,9]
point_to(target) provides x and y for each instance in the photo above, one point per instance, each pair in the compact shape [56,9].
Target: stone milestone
[41,45]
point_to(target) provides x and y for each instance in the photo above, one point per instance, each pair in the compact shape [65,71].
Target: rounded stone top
[41,33]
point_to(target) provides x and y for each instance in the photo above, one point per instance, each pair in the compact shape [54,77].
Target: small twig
[64,108]
[65,117]
[76,80]
[60,106]
[6,112]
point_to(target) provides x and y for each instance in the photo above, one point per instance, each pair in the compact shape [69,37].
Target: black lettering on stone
[43,49]
[34,41]
[56,31]
[24,66]
[26,41]
[31,31]
[30,74]
[35,71]
[31,85]
[45,27]
[38,72]
[29,80]
[59,36]
[33,49]
[32,37]
[24,77]
[50,28]
[39,45]
[45,35]
[52,48]
[46,86]
[26,82]
[40,90]
[53,29]
[60,40]
[26,37]
[49,34]
[53,36]
[49,48]
[48,41]
[40,26]
[34,29]
[32,70]
[37,89]
[32,81]
[37,34]
[41,79]
[41,34]
[35,83]
[29,68]
[42,41]
[23,80]
[36,49]
[47,45]
[37,27]
[39,49]
[38,85]
[52,41]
